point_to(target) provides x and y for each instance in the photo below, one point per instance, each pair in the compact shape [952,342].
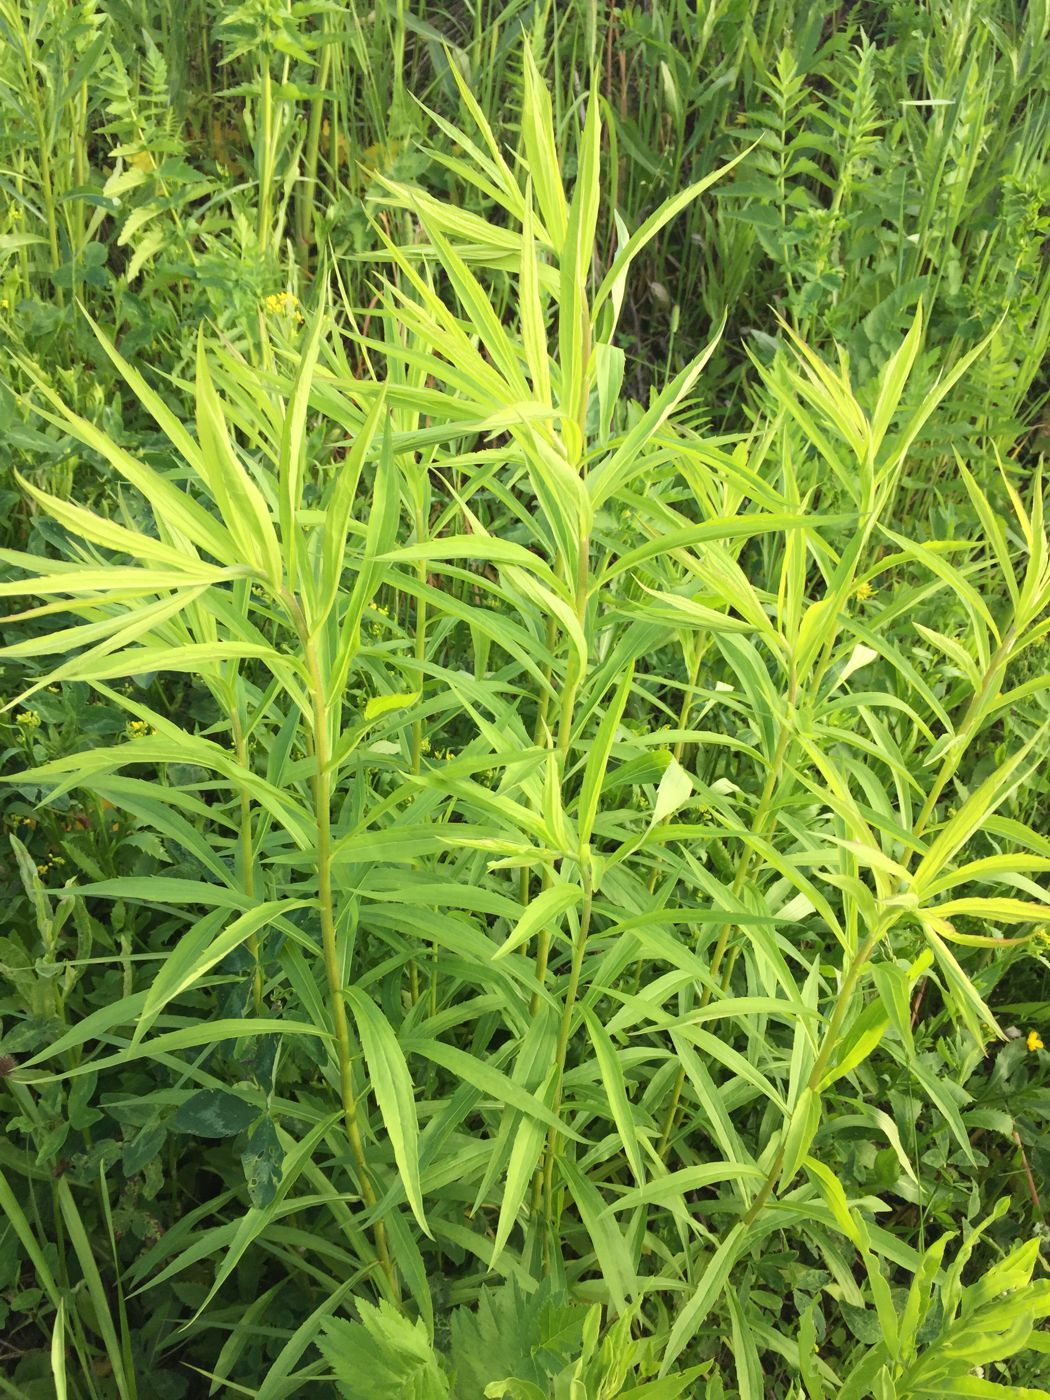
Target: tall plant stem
[265,138]
[23,252]
[79,180]
[247,855]
[579,948]
[337,1007]
[308,189]
[44,165]
[543,942]
[820,1064]
[677,752]
[575,668]
[419,653]
[420,646]
[565,717]
[399,62]
[971,720]
[762,816]
[543,1186]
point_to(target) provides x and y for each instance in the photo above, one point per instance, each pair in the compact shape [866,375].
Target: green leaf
[198,951]
[598,757]
[616,1089]
[713,1279]
[244,509]
[654,223]
[676,788]
[392,1086]
[523,1163]
[261,1160]
[674,1186]
[542,912]
[213,1113]
[380,705]
[537,131]
[799,1134]
[385,1356]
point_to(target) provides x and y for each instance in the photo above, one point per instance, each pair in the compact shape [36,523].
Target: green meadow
[524,700]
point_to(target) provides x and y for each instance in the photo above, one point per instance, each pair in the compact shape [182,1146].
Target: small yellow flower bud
[283,304]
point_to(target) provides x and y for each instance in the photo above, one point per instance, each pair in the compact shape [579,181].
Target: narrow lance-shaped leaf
[541,912]
[598,757]
[292,460]
[242,504]
[392,1086]
[616,1089]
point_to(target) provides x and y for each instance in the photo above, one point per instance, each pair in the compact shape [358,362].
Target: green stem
[543,702]
[44,166]
[333,969]
[265,138]
[543,945]
[820,1065]
[579,948]
[575,668]
[80,161]
[543,941]
[247,854]
[420,651]
[762,816]
[23,252]
[989,683]
[567,708]
[308,189]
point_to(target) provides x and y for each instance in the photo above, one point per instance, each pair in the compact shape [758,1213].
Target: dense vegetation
[525,700]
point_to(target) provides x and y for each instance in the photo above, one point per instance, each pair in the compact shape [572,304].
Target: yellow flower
[1034,1042]
[28,719]
[283,304]
[864,591]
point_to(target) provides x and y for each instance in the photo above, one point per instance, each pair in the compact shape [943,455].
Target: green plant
[558,843]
